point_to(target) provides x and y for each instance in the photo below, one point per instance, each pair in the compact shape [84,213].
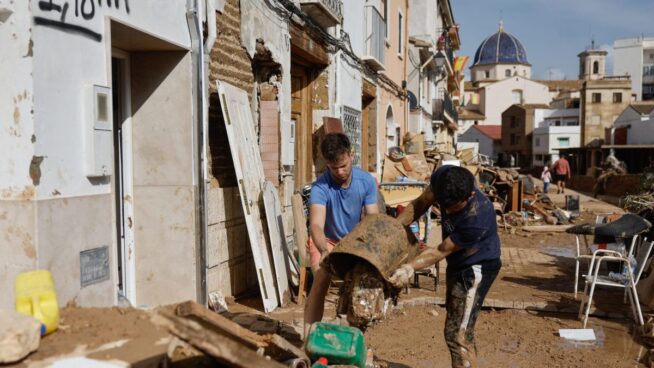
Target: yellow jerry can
[36,297]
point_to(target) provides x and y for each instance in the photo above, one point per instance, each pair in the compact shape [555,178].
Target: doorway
[123,180]
[301,114]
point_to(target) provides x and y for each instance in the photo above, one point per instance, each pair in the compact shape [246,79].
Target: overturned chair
[631,261]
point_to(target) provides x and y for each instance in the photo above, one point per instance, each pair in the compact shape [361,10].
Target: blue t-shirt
[474,229]
[344,205]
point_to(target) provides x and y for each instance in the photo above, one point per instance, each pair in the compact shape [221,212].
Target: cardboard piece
[578,334]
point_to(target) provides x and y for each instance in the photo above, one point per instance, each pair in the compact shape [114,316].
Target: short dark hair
[452,185]
[334,145]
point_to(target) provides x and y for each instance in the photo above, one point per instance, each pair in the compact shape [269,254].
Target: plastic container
[36,297]
[339,344]
[320,363]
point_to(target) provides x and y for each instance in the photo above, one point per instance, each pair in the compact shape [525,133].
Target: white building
[555,129]
[77,167]
[500,77]
[488,137]
[635,57]
[635,125]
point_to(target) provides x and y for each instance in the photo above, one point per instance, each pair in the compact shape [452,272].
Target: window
[400,33]
[514,122]
[507,73]
[563,141]
[512,137]
[596,98]
[487,74]
[516,96]
[537,142]
[595,120]
[385,4]
[617,97]
[557,123]
[595,67]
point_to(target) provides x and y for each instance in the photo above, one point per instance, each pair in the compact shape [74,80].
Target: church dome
[501,47]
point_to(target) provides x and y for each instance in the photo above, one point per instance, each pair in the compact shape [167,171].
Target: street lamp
[439,58]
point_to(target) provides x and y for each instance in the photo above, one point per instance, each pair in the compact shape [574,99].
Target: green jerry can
[339,344]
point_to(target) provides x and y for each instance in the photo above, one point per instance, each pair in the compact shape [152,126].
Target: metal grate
[352,126]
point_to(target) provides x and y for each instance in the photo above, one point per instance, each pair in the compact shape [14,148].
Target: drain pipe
[194,22]
[205,58]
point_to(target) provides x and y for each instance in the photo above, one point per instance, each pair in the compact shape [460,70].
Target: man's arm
[433,255]
[417,207]
[371,209]
[430,256]
[317,216]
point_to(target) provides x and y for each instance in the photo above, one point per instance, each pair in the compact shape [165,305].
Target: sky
[553,32]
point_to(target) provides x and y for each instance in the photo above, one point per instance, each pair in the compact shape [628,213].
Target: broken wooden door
[250,176]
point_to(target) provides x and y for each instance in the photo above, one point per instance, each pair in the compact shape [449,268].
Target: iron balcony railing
[375,38]
[326,12]
[444,109]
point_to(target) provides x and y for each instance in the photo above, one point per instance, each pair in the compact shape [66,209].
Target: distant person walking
[546,177]
[561,170]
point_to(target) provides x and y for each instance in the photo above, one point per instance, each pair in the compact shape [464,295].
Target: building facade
[518,123]
[555,129]
[100,181]
[432,80]
[635,57]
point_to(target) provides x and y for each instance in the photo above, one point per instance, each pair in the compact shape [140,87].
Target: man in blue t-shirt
[471,246]
[338,198]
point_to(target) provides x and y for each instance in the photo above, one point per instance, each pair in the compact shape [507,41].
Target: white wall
[497,97]
[16,102]
[485,143]
[628,59]
[65,63]
[354,24]
[549,136]
[641,128]
[423,16]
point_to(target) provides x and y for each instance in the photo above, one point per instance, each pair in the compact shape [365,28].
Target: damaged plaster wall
[49,209]
[17,230]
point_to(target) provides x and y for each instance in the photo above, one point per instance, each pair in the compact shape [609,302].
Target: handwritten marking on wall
[55,12]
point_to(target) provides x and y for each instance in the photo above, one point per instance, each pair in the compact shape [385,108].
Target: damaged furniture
[631,272]
[628,226]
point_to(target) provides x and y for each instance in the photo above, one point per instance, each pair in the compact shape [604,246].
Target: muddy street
[413,337]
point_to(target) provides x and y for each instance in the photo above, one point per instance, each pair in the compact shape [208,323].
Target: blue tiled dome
[500,47]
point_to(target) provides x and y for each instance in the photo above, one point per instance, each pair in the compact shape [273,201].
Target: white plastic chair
[632,277]
[586,254]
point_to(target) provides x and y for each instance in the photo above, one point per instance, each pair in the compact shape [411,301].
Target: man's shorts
[314,254]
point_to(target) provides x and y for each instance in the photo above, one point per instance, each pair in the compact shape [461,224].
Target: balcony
[373,53]
[443,109]
[327,13]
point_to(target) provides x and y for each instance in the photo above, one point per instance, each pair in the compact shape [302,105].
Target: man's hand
[401,276]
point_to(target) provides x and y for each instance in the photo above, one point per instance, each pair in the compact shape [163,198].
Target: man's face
[341,168]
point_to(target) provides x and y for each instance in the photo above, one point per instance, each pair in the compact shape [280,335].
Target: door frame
[124,184]
[303,127]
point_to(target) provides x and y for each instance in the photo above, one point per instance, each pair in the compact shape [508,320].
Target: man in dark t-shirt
[471,246]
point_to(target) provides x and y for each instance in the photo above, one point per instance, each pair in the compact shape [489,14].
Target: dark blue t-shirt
[474,229]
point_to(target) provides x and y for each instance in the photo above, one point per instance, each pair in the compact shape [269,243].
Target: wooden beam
[221,324]
[220,347]
[546,228]
[306,47]
[369,89]
[301,238]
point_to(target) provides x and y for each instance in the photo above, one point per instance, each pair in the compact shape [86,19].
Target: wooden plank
[220,347]
[221,324]
[368,89]
[546,228]
[244,148]
[278,244]
[306,47]
[301,238]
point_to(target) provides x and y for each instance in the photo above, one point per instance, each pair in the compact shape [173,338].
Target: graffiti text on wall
[57,11]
